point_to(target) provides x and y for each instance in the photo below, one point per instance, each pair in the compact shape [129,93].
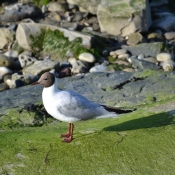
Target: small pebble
[88,57]
[164,56]
[120,51]
[169,35]
[168,65]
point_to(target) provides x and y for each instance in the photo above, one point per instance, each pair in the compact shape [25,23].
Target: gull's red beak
[35,83]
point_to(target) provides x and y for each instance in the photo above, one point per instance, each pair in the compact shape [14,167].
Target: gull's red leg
[70,138]
[69,132]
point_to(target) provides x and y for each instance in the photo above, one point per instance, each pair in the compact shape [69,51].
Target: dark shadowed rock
[20,11]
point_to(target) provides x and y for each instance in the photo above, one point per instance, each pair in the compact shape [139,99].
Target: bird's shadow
[156,120]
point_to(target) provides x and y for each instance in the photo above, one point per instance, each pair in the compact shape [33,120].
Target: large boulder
[26,31]
[118,17]
[124,17]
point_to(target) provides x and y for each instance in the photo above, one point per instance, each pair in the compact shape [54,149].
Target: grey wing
[74,105]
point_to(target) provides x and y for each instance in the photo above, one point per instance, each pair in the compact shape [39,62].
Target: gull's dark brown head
[47,79]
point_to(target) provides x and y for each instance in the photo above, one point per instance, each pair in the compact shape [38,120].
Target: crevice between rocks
[120,86]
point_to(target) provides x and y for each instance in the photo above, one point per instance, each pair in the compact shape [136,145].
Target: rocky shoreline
[98,62]
[120,89]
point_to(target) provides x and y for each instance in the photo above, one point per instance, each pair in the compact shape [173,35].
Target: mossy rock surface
[54,43]
[136,143]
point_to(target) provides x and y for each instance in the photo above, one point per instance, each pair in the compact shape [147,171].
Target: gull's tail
[114,112]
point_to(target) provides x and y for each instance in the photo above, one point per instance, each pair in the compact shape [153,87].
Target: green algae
[40,3]
[57,45]
[146,73]
[21,117]
[140,142]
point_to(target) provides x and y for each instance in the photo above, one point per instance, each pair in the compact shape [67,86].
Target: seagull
[68,106]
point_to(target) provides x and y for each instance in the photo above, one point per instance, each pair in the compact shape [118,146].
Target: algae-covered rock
[56,41]
[29,115]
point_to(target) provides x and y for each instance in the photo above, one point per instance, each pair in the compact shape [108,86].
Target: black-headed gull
[68,106]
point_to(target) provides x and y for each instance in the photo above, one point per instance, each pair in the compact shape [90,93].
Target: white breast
[51,102]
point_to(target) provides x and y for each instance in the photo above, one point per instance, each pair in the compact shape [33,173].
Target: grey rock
[25,30]
[14,83]
[120,88]
[19,97]
[20,11]
[6,36]
[155,3]
[78,66]
[69,25]
[26,79]
[56,7]
[142,64]
[134,39]
[3,87]
[149,49]
[40,67]
[90,6]
[123,17]
[165,24]
[78,16]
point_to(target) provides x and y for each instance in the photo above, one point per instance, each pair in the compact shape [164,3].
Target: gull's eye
[46,79]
